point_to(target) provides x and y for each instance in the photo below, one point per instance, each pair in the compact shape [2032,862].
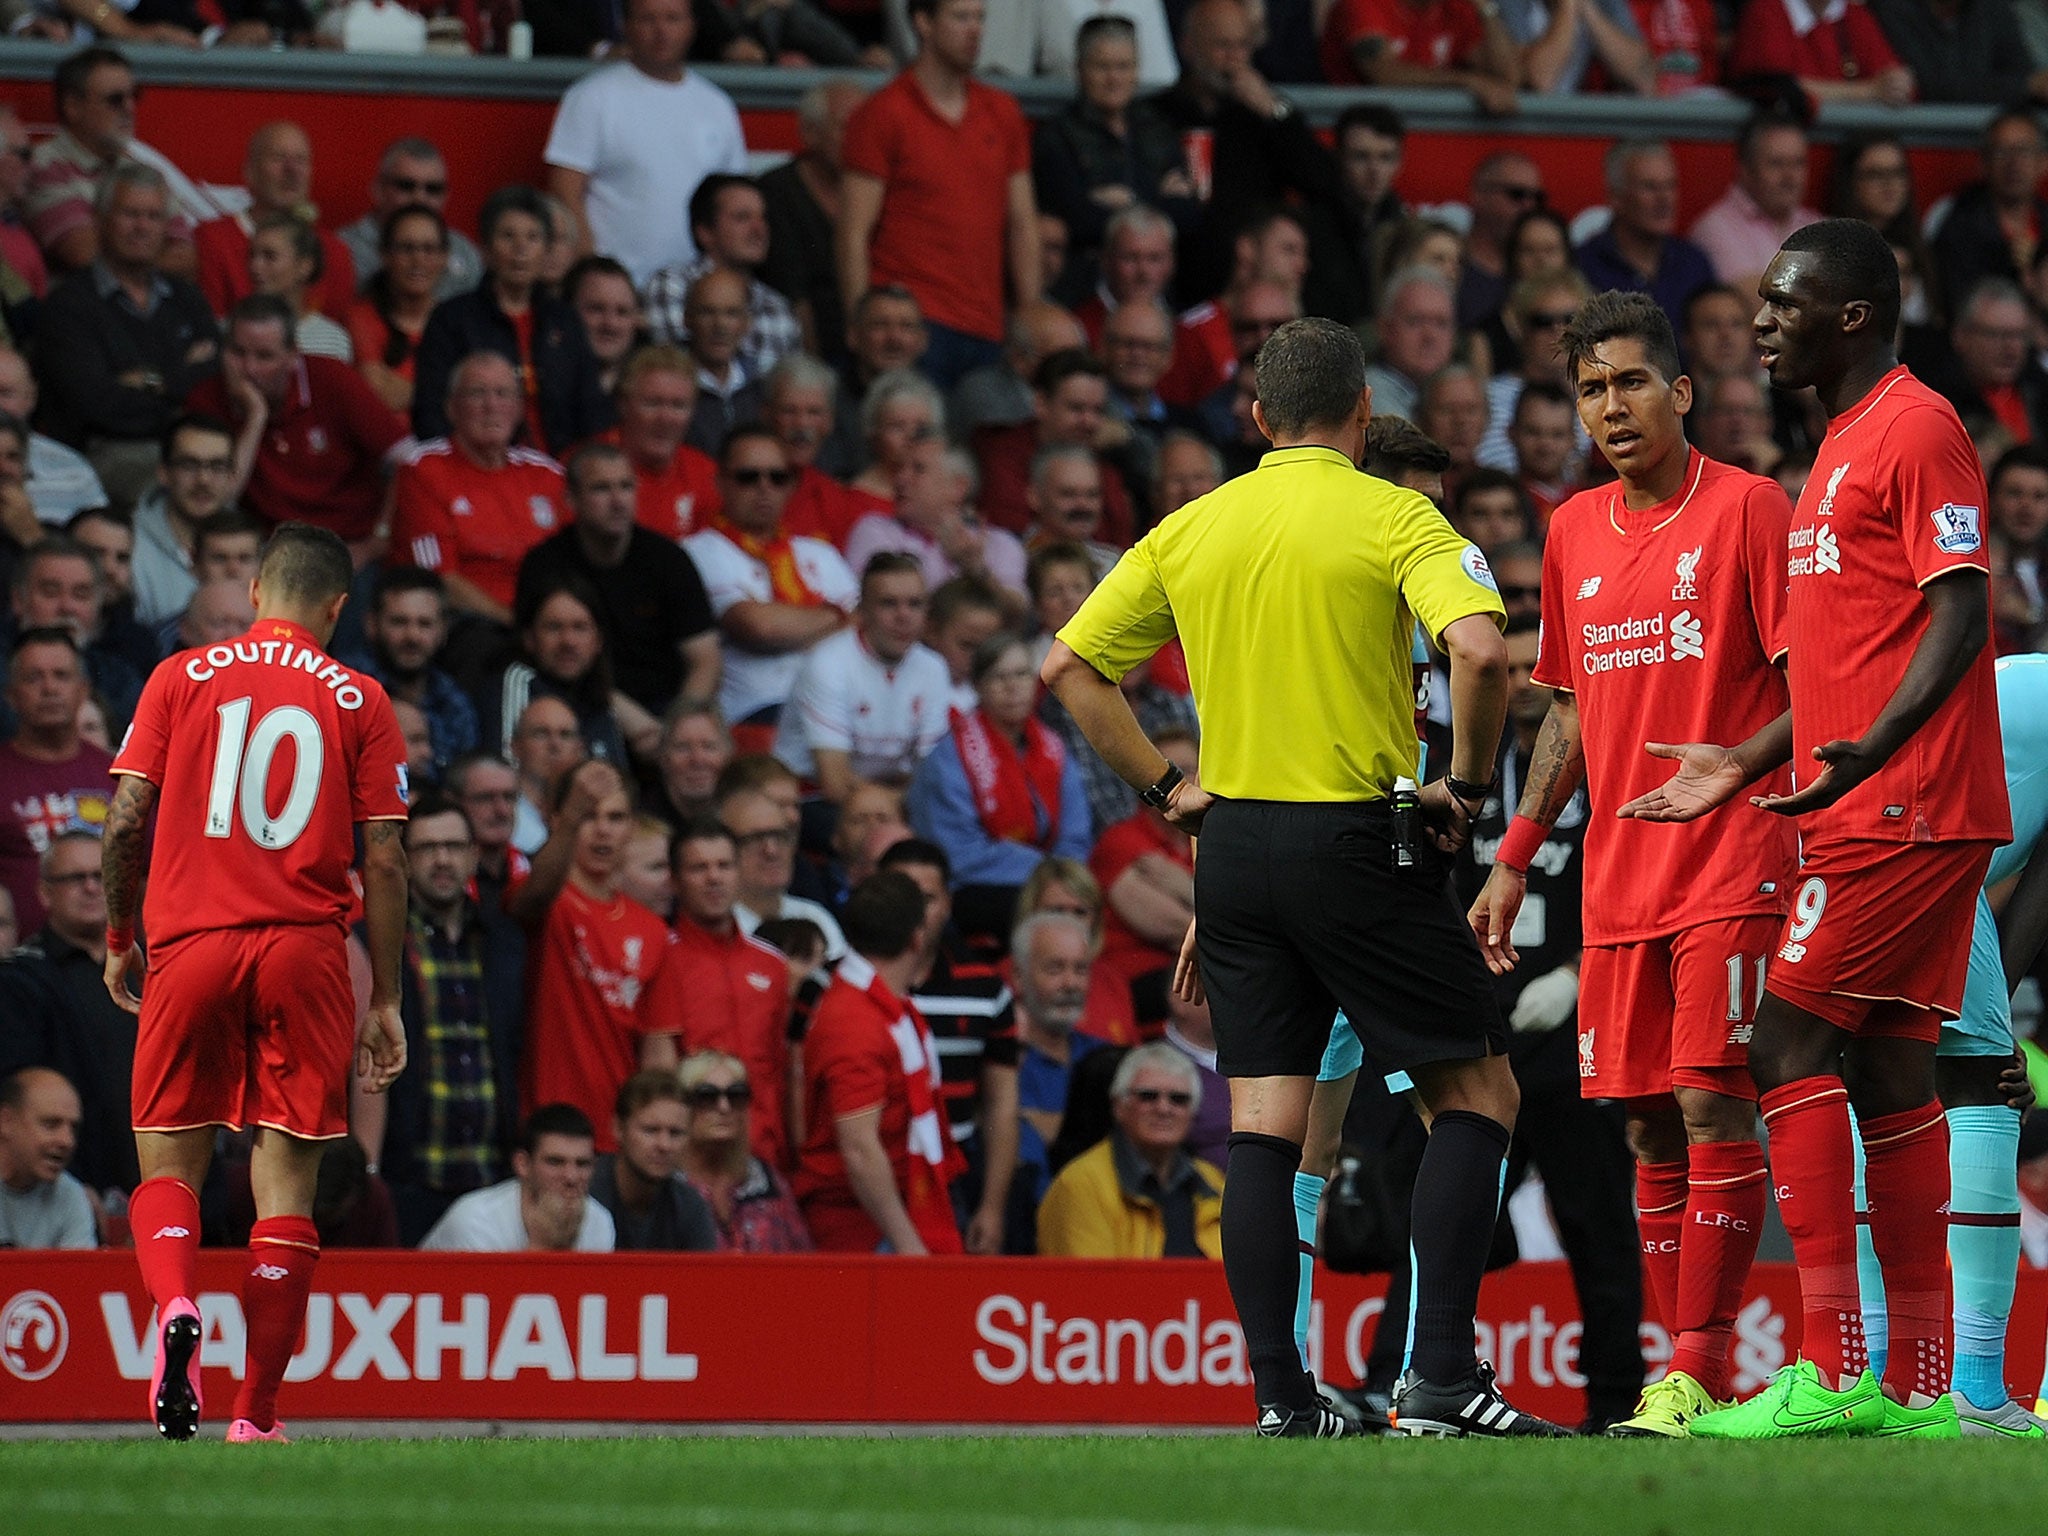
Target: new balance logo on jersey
[1688,568]
[1827,551]
[1588,587]
[271,1272]
[1741,1033]
[164,1232]
[1957,530]
[1792,952]
[1686,639]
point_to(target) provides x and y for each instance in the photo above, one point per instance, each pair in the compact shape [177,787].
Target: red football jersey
[266,753]
[730,992]
[1896,499]
[1664,625]
[587,975]
[680,500]
[456,517]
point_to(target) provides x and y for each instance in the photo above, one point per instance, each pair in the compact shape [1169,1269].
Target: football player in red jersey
[267,756]
[1894,738]
[1663,614]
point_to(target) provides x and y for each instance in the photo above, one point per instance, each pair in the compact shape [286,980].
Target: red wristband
[120,940]
[1524,837]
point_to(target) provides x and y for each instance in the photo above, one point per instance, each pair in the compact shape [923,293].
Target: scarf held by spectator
[1016,795]
[934,1161]
[785,576]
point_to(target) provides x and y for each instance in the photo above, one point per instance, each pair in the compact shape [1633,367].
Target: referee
[1295,590]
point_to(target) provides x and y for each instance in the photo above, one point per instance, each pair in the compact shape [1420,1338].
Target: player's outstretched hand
[380,1048]
[1708,777]
[119,968]
[1187,974]
[1843,765]
[1186,807]
[1493,917]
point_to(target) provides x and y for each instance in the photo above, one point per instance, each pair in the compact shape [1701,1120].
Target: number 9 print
[1807,908]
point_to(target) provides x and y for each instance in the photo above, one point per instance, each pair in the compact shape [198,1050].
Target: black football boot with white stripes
[1322,1422]
[1472,1409]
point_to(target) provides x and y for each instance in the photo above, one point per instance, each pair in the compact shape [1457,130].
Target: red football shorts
[1878,939]
[247,1026]
[1672,1011]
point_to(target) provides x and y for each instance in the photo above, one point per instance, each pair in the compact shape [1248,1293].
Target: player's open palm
[380,1048]
[1708,777]
[1493,917]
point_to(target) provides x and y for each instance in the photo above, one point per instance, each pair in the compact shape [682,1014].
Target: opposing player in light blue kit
[1975,1052]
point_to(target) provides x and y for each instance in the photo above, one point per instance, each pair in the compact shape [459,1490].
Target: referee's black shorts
[1300,912]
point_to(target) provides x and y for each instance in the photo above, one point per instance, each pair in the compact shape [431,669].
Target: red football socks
[282,1253]
[1906,1172]
[1660,1216]
[164,1215]
[1724,1216]
[1813,1163]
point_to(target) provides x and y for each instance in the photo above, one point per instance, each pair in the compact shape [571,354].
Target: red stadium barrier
[656,1338]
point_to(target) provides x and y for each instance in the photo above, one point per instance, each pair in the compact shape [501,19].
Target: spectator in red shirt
[1993,379]
[1458,43]
[797,406]
[278,171]
[1070,398]
[1835,49]
[676,487]
[386,323]
[1146,868]
[594,953]
[318,455]
[937,193]
[1684,39]
[470,505]
[878,1160]
[728,990]
[754,1209]
[51,781]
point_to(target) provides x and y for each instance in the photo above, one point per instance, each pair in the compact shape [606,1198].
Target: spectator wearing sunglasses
[1137,1194]
[1505,185]
[1539,309]
[411,174]
[750,1201]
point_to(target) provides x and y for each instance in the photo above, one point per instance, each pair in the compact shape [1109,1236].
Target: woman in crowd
[561,655]
[387,321]
[901,408]
[510,312]
[601,292]
[753,1206]
[1000,791]
[285,259]
[1873,181]
[1539,244]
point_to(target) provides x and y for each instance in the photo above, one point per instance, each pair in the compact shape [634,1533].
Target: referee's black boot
[1322,1422]
[1468,1409]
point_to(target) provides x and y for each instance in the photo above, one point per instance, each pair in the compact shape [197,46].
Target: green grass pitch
[1020,1486]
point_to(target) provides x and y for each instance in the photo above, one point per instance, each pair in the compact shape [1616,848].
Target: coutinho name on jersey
[201,666]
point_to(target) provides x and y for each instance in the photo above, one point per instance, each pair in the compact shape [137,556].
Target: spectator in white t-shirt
[545,1206]
[632,140]
[41,1206]
[775,595]
[871,701]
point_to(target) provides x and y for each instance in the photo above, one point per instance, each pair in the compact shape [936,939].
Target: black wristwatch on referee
[1466,793]
[1160,795]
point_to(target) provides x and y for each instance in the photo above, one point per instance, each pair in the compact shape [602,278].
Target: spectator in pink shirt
[1765,203]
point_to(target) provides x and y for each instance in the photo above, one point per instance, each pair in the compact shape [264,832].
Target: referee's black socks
[1262,1261]
[1457,1202]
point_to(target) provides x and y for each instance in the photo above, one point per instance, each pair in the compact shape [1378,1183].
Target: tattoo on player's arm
[1554,774]
[121,847]
[384,833]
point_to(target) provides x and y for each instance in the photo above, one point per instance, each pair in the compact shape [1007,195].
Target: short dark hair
[1047,556]
[1690,308]
[311,564]
[264,309]
[305,241]
[517,198]
[435,803]
[889,562]
[2021,456]
[1310,373]
[1055,368]
[554,1120]
[704,201]
[793,935]
[883,915]
[226,524]
[1616,316]
[1486,478]
[1395,446]
[651,1086]
[1856,264]
[952,598]
[1370,115]
[917,852]
[1100,26]
[539,594]
[86,515]
[394,580]
[587,453]
[595,266]
[1766,119]
[750,432]
[193,421]
[47,634]
[76,68]
[700,829]
[1542,392]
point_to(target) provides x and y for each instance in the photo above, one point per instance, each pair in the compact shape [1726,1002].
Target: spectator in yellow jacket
[1138,1194]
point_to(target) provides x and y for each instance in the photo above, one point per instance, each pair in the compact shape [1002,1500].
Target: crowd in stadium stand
[711,529]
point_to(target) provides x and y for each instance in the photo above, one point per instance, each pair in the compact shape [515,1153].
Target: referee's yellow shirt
[1295,590]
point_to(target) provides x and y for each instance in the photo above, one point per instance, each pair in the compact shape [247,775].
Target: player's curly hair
[1617,316]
